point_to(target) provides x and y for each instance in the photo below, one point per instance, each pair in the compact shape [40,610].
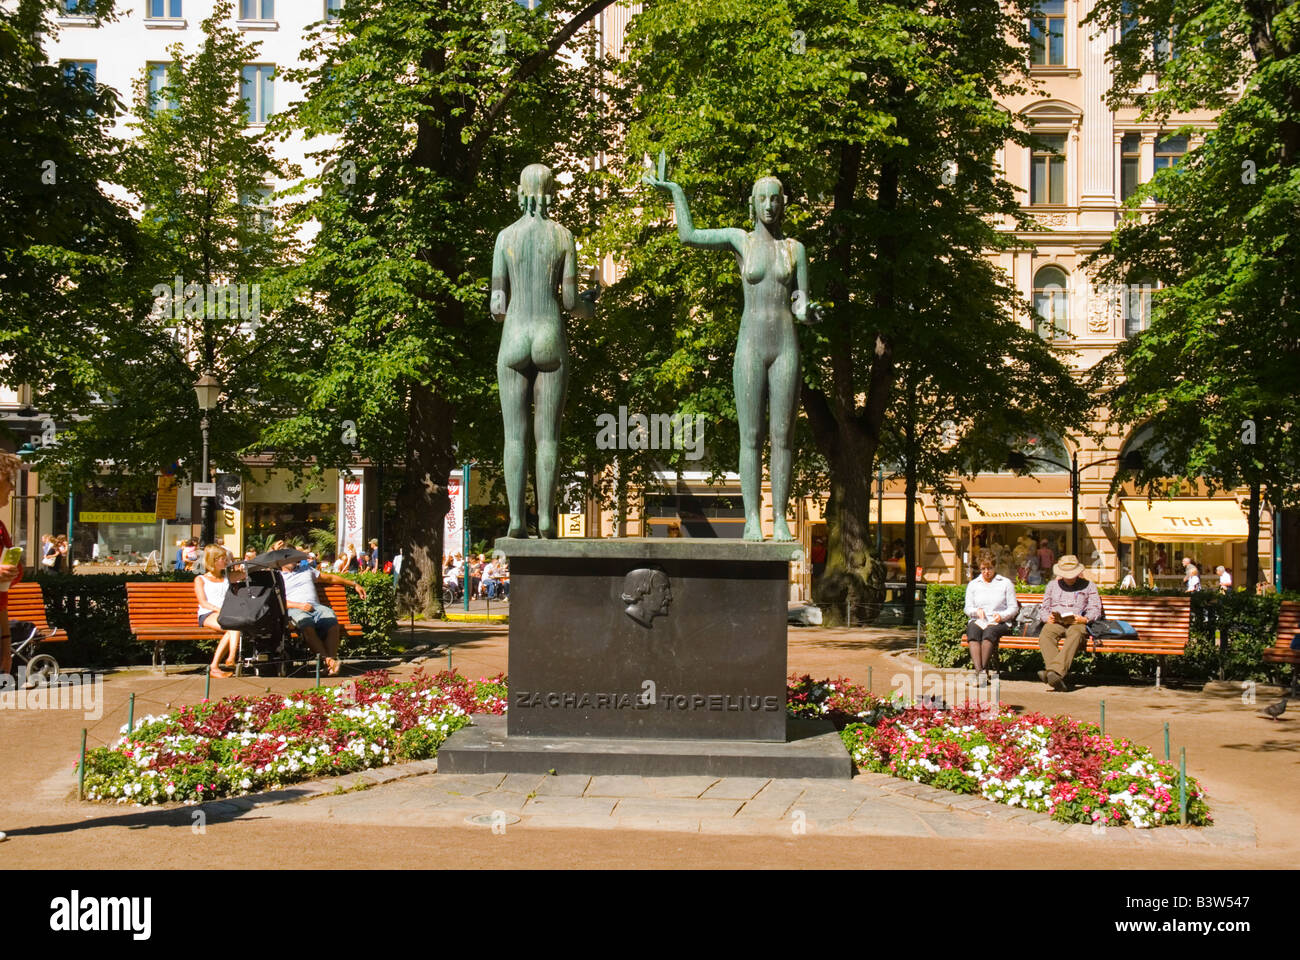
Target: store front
[719,513]
[1156,536]
[889,518]
[1025,535]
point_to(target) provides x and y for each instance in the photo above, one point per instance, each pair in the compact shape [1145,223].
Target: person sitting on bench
[313,619]
[210,588]
[992,607]
[1069,604]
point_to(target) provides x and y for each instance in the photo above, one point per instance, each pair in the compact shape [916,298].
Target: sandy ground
[1240,758]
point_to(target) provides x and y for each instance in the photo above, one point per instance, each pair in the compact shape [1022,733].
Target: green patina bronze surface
[765,374]
[534,275]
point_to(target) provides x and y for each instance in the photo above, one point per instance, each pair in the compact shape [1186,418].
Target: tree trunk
[909,538]
[853,572]
[423,502]
[1252,539]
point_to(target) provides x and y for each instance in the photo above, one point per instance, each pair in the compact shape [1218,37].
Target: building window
[159,98]
[260,202]
[333,9]
[79,8]
[1137,307]
[1047,170]
[1051,303]
[256,9]
[529,4]
[1169,150]
[257,87]
[1130,164]
[1164,48]
[1047,34]
[164,8]
[79,72]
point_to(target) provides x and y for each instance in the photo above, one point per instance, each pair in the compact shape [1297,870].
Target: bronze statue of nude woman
[774,272]
[534,275]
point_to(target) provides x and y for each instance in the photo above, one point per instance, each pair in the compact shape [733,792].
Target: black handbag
[248,607]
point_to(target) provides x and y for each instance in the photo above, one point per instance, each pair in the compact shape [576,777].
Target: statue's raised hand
[805,311]
[660,181]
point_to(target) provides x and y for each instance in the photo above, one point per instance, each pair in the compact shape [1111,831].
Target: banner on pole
[454,523]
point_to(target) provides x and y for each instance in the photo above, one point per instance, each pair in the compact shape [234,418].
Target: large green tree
[196,297]
[1213,376]
[63,238]
[862,108]
[433,109]
[960,410]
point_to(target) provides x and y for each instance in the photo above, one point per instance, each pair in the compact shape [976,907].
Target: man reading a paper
[1070,603]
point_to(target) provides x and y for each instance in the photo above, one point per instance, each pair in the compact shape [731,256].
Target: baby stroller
[25,644]
[256,607]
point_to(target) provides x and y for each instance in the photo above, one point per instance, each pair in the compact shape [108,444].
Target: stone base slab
[812,750]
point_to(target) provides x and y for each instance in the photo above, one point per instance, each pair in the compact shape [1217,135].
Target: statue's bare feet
[518,531]
[781,532]
[546,530]
[754,529]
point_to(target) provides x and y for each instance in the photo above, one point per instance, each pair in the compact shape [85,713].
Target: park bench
[164,612]
[26,602]
[1162,625]
[1288,626]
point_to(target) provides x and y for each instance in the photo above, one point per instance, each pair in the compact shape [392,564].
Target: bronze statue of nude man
[534,275]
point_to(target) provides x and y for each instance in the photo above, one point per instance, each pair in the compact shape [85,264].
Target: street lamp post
[207,389]
[1129,461]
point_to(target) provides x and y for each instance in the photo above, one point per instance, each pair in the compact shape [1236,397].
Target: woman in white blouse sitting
[991,606]
[210,588]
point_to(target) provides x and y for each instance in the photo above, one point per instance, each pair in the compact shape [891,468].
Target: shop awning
[895,510]
[1182,521]
[1018,510]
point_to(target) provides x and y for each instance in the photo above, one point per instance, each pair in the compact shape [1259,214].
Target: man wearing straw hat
[1070,603]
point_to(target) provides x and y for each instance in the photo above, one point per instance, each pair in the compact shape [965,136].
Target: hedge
[1248,624]
[91,609]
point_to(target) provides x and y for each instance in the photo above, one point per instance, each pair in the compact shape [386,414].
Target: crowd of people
[489,577]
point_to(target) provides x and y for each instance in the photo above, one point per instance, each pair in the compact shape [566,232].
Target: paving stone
[619,786]
[567,822]
[1000,811]
[882,823]
[466,784]
[566,785]
[242,804]
[1051,826]
[905,802]
[774,801]
[500,800]
[666,824]
[522,782]
[960,801]
[547,807]
[827,808]
[675,807]
[681,786]
[222,808]
[736,788]
[954,826]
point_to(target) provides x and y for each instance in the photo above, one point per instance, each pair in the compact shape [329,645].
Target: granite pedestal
[648,656]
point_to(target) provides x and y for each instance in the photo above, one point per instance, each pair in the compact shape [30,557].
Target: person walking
[1191,576]
[1069,604]
[991,606]
[1225,579]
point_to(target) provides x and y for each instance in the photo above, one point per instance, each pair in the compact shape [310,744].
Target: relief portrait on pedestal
[647,593]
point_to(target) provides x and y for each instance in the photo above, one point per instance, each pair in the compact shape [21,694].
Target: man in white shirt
[992,607]
[1191,576]
[312,618]
[1225,578]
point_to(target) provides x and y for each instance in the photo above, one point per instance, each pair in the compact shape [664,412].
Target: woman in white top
[992,607]
[210,590]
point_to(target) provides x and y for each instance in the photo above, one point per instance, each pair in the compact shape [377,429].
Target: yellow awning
[1018,510]
[895,510]
[1183,521]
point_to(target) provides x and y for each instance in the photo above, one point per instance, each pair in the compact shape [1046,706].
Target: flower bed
[238,744]
[1054,765]
[840,701]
